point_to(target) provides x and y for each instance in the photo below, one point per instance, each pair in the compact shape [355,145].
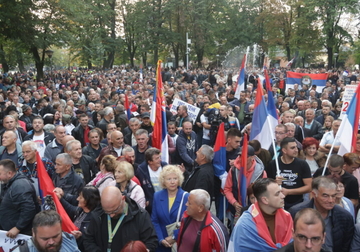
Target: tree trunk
[330,57]
[20,61]
[39,63]
[3,60]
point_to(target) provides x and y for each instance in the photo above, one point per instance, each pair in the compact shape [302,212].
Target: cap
[251,151]
[145,115]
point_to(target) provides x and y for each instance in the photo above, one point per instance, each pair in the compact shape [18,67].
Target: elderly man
[47,235]
[148,174]
[142,144]
[312,128]
[108,117]
[19,203]
[200,230]
[134,125]
[116,147]
[129,222]
[9,123]
[81,131]
[83,165]
[94,148]
[202,176]
[329,137]
[339,224]
[65,178]
[10,148]
[307,222]
[265,226]
[56,146]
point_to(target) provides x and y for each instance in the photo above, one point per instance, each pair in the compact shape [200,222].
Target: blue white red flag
[348,130]
[290,62]
[219,160]
[158,117]
[260,128]
[241,79]
[46,187]
[273,116]
[306,79]
[127,107]
[243,171]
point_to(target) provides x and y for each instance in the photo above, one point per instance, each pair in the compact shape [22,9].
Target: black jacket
[19,204]
[135,226]
[201,178]
[28,121]
[342,225]
[22,134]
[78,133]
[87,150]
[48,137]
[290,248]
[88,166]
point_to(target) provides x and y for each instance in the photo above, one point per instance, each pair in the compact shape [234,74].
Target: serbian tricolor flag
[158,117]
[290,62]
[241,79]
[219,164]
[127,107]
[46,188]
[348,130]
[251,232]
[260,128]
[309,79]
[273,116]
[243,171]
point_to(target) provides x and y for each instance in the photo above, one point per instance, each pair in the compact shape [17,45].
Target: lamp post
[217,60]
[335,55]
[50,53]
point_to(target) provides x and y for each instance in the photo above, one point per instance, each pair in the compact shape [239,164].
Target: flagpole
[273,145]
[341,129]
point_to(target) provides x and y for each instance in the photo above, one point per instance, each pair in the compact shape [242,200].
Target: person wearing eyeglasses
[309,232]
[280,134]
[339,224]
[121,221]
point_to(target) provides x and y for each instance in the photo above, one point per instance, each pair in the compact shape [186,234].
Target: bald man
[10,148]
[133,223]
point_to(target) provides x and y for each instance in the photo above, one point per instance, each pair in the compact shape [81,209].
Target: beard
[48,248]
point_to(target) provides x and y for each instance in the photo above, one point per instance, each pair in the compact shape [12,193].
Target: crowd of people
[122,196]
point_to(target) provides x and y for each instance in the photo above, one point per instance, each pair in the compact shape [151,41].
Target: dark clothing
[88,168]
[71,184]
[48,137]
[78,133]
[350,182]
[290,248]
[342,225]
[201,178]
[20,133]
[91,152]
[28,121]
[142,173]
[186,148]
[139,156]
[230,155]
[135,226]
[315,130]
[18,204]
[103,126]
[121,121]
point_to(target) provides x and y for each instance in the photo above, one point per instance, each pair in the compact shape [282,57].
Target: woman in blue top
[168,204]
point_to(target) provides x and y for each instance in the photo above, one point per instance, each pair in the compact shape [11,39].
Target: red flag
[47,188]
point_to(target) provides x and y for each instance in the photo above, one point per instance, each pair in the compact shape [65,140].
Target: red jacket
[214,236]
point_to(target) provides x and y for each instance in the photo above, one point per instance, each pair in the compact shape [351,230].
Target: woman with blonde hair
[124,172]
[106,174]
[169,205]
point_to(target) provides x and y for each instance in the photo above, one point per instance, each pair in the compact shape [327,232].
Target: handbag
[175,225]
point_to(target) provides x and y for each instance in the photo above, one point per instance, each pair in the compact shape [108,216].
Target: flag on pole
[260,129]
[273,116]
[47,187]
[158,115]
[243,171]
[348,130]
[219,164]
[290,62]
[241,79]
[127,107]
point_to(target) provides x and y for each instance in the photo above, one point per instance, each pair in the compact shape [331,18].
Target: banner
[191,110]
[348,95]
[306,79]
[7,243]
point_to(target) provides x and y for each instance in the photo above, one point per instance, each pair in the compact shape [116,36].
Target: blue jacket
[142,173]
[161,216]
[186,149]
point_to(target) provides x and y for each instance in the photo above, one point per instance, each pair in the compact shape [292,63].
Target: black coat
[135,226]
[78,134]
[342,225]
[19,204]
[48,137]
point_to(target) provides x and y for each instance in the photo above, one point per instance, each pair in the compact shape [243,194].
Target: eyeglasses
[115,211]
[314,240]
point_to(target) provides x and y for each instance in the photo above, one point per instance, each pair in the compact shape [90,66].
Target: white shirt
[154,177]
[39,140]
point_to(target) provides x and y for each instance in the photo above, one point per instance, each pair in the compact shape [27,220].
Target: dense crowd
[120,194]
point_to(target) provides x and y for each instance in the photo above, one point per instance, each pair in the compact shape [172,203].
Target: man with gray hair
[134,125]
[200,230]
[142,144]
[56,146]
[47,235]
[108,117]
[202,176]
[339,224]
[67,183]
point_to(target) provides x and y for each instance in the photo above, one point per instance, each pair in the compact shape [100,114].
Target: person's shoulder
[347,177]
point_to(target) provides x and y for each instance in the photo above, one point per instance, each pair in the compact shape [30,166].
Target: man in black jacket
[81,131]
[134,223]
[18,203]
[339,226]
